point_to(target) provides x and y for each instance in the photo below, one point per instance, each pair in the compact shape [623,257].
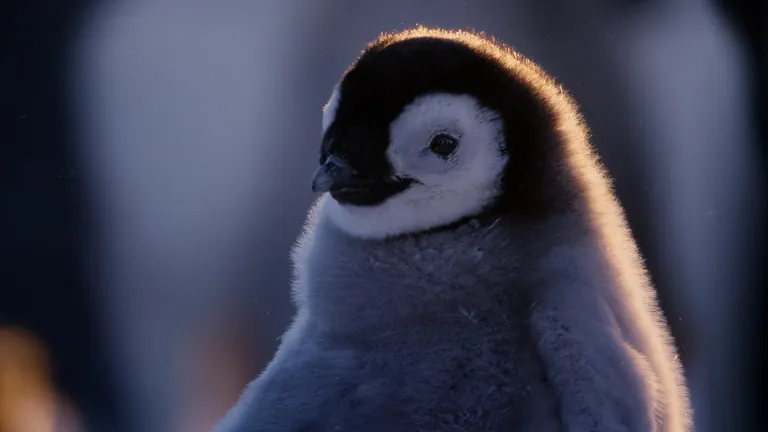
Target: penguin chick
[467,267]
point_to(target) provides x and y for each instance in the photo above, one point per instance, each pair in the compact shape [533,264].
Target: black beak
[334,174]
[347,186]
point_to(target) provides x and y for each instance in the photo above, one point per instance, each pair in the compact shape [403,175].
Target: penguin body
[467,267]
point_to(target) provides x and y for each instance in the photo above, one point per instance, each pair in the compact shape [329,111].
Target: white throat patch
[447,188]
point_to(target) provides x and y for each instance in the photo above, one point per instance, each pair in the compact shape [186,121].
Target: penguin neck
[418,279]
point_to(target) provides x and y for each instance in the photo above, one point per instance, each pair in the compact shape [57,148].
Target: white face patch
[329,111]
[448,188]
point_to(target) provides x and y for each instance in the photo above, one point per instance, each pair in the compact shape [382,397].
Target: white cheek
[329,112]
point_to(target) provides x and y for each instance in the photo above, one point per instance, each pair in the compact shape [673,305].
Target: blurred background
[155,161]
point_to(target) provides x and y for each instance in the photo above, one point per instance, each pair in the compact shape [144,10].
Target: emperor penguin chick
[467,267]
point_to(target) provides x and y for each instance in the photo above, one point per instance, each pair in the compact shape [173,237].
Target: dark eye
[443,145]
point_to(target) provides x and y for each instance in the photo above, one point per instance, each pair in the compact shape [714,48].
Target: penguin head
[431,127]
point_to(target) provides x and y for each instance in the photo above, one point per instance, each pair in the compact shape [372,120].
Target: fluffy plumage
[451,297]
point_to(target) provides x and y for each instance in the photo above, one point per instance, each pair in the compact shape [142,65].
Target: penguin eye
[443,145]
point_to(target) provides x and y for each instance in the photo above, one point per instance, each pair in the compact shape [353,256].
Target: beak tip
[321,181]
[316,189]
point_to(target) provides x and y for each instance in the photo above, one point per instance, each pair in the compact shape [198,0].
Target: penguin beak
[347,186]
[335,175]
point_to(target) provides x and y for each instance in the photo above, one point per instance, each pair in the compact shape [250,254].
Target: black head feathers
[397,68]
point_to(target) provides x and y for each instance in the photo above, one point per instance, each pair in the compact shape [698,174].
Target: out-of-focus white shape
[688,74]
[182,103]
